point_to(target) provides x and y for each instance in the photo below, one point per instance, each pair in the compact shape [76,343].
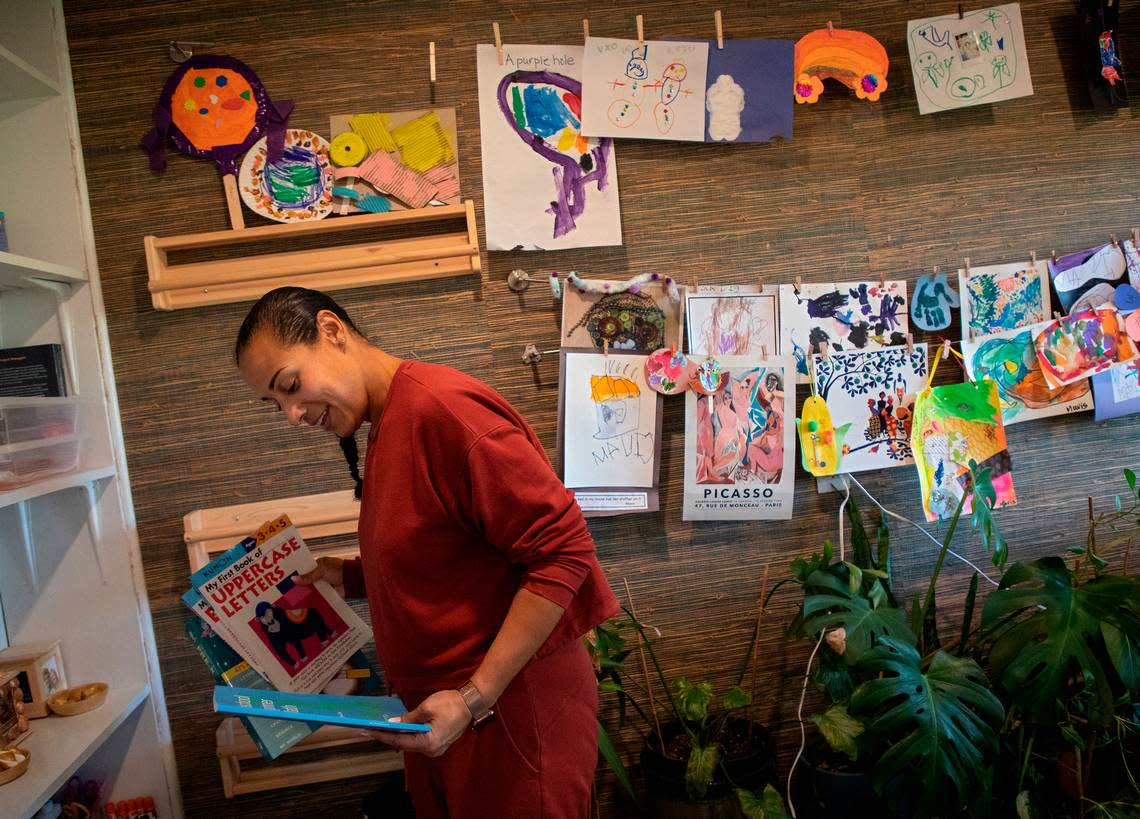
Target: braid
[352,455]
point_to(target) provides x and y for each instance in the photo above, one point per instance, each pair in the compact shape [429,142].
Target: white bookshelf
[70,568]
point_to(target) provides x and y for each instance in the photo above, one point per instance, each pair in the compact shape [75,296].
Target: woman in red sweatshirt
[475,559]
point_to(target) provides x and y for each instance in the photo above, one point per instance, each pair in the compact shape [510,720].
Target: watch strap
[473,699]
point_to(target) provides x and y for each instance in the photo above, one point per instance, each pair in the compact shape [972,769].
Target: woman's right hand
[329,569]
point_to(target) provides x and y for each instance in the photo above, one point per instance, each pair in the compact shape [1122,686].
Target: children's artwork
[930,305]
[1003,297]
[1087,279]
[977,58]
[870,396]
[649,90]
[739,448]
[854,58]
[545,185]
[670,371]
[420,166]
[297,187]
[957,426]
[733,320]
[746,99]
[1117,391]
[1100,54]
[1077,345]
[641,320]
[841,317]
[610,432]
[1010,359]
[820,441]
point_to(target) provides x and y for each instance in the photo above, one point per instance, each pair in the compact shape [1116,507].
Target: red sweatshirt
[460,510]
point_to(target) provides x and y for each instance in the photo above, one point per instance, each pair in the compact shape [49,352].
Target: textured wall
[862,189]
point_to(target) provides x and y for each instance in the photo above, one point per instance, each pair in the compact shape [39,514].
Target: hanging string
[842,549]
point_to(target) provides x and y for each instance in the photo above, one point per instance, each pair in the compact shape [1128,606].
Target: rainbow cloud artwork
[545,186]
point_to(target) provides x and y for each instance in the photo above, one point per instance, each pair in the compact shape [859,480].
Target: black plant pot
[665,777]
[826,786]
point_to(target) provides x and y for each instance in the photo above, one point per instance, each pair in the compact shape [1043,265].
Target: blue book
[373,713]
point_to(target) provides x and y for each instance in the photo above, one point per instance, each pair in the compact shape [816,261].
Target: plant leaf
[765,805]
[699,772]
[833,676]
[693,700]
[968,615]
[934,733]
[1043,631]
[610,755]
[840,729]
[736,698]
[1124,653]
[1130,477]
[1070,735]
[860,543]
[829,603]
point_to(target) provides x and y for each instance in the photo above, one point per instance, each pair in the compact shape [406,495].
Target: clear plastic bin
[27,462]
[37,419]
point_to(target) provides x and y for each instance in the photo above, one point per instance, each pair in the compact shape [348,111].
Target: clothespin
[585,28]
[830,29]
[763,350]
[882,281]
[797,284]
[1135,237]
[966,261]
[945,348]
[1053,253]
[498,43]
[1033,259]
[431,61]
[606,347]
[961,14]
[910,340]
[760,284]
[719,29]
[640,30]
[936,271]
[1112,238]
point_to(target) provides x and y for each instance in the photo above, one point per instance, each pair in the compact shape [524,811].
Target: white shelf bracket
[94,527]
[25,512]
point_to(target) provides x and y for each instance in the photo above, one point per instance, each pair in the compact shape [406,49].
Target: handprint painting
[932,301]
[545,186]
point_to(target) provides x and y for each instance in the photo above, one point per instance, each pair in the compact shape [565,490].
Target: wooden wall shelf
[453,250]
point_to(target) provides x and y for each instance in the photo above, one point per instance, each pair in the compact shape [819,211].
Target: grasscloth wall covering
[861,189]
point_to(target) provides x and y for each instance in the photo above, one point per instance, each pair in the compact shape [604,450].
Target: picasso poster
[841,317]
[420,166]
[1003,297]
[649,90]
[870,395]
[1010,359]
[1078,345]
[1087,279]
[1117,391]
[610,431]
[746,99]
[733,319]
[638,321]
[959,61]
[545,186]
[957,426]
[739,449]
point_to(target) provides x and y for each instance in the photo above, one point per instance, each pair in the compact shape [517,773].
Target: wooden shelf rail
[453,250]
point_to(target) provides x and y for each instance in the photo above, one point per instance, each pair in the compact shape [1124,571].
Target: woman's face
[317,384]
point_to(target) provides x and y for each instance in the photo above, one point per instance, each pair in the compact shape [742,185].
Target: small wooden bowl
[8,774]
[64,704]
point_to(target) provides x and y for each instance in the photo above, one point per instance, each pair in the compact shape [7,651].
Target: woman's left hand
[444,711]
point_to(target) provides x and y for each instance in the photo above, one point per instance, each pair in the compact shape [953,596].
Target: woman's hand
[444,711]
[329,569]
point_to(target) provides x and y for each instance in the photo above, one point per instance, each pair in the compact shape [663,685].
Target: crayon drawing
[732,320]
[977,58]
[870,396]
[1010,360]
[1117,391]
[545,185]
[739,448]
[650,90]
[841,317]
[1003,297]
[957,426]
[1078,345]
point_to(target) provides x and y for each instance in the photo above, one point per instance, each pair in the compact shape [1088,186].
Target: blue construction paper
[1111,400]
[763,69]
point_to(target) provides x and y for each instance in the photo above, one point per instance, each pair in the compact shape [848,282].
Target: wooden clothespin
[640,30]
[498,43]
[830,29]
[910,341]
[606,347]
[763,350]
[966,265]
[796,285]
[1135,237]
[882,281]
[431,61]
[1112,238]
[961,14]
[1033,259]
[585,28]
[945,348]
[696,284]
[936,271]
[719,29]
[1053,253]
[760,284]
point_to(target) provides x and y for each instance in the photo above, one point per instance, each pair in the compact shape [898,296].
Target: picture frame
[13,718]
[39,672]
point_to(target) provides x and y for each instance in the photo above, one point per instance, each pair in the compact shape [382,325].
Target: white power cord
[800,717]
